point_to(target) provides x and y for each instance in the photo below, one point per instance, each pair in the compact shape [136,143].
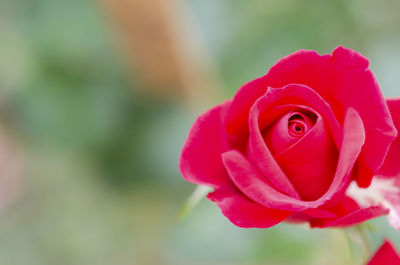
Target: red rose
[289,143]
[386,255]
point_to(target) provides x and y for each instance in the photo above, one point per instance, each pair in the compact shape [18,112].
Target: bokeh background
[96,98]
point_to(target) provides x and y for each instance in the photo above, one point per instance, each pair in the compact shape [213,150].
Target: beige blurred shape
[165,46]
[11,169]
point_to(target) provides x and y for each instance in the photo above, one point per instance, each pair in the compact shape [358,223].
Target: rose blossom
[289,144]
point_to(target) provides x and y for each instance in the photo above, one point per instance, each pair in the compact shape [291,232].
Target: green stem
[363,232]
[350,246]
[199,193]
[361,237]
[358,236]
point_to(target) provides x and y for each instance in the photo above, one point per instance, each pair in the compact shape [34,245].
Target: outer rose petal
[391,166]
[382,191]
[380,131]
[200,160]
[244,212]
[390,171]
[386,255]
[357,217]
[236,120]
[349,213]
[342,79]
[385,187]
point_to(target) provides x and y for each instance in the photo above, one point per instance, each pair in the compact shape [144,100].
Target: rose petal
[385,187]
[352,218]
[382,191]
[244,212]
[353,141]
[346,213]
[391,166]
[385,255]
[249,180]
[200,160]
[349,213]
[259,153]
[319,213]
[356,79]
[237,117]
[390,171]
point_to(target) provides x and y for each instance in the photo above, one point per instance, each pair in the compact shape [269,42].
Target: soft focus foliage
[102,184]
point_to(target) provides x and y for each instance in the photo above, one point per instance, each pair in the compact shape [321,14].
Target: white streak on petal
[382,191]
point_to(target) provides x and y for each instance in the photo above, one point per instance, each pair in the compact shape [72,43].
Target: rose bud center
[297,124]
[304,150]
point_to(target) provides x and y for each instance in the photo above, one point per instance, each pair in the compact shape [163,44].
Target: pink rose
[385,255]
[290,143]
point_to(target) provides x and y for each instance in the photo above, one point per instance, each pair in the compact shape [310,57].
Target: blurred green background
[99,131]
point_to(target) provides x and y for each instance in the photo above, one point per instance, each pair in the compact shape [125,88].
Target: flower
[385,255]
[289,143]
